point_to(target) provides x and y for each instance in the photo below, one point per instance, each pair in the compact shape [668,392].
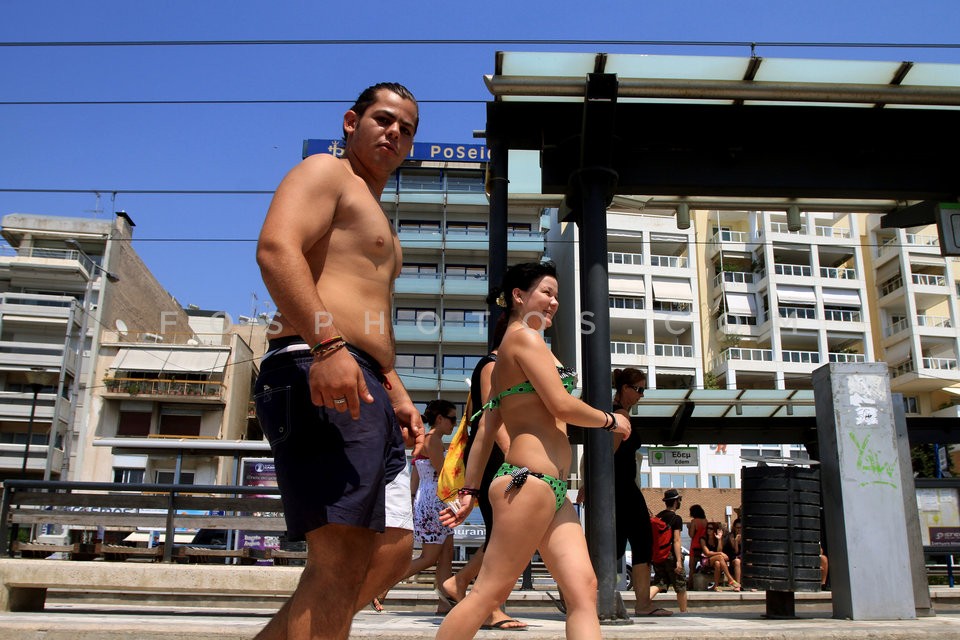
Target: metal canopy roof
[526,76]
[689,126]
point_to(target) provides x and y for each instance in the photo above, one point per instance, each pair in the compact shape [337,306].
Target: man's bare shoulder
[323,166]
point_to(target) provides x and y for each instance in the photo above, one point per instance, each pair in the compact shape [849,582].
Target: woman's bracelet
[467,491]
[611,422]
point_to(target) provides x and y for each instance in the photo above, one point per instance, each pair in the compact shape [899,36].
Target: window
[415,316]
[179,424]
[166,477]
[799,452]
[419,226]
[620,302]
[765,450]
[466,228]
[678,480]
[465,272]
[466,317]
[419,270]
[128,476]
[721,481]
[134,423]
[422,361]
[644,479]
[910,404]
[465,181]
[459,365]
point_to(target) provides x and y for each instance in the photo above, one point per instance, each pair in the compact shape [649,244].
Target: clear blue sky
[201,247]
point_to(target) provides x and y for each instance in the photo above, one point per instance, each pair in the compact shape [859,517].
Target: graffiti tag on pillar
[865,393]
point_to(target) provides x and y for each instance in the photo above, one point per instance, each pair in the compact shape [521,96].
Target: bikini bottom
[519,476]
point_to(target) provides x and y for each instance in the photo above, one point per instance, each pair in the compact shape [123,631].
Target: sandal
[375,604]
[558,602]
[445,597]
[659,612]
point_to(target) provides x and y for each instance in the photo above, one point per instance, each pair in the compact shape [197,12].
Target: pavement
[409,614]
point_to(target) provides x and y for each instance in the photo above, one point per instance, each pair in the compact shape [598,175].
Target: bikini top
[567,376]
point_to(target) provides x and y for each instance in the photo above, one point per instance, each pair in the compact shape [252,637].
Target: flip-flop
[447,598]
[375,604]
[659,612]
[501,627]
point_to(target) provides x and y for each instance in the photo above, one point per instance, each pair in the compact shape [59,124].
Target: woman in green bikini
[531,400]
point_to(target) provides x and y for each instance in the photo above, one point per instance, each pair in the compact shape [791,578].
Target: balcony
[797,270]
[38,306]
[420,239]
[839,356]
[734,277]
[422,330]
[838,273]
[467,239]
[832,232]
[618,348]
[800,357]
[523,242]
[673,350]
[620,258]
[939,364]
[934,322]
[842,315]
[24,355]
[465,285]
[418,378]
[421,284]
[928,280]
[801,313]
[670,262]
[889,286]
[11,457]
[782,227]
[464,332]
[896,327]
[195,390]
[922,240]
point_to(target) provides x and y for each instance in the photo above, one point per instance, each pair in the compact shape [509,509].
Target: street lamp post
[36,378]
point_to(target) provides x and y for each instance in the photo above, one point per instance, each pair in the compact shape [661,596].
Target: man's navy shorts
[331,469]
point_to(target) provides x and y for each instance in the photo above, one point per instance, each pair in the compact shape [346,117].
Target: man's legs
[388,564]
[322,606]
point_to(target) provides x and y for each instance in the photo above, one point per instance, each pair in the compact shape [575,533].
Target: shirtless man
[328,398]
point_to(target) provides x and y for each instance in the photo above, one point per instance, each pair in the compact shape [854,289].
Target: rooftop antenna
[97,207]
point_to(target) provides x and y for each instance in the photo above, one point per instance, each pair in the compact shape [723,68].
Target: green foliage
[924,461]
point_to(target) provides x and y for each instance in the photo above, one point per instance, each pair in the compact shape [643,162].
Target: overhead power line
[474,42]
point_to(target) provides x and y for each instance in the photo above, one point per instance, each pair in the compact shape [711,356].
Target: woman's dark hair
[628,376]
[369,95]
[520,276]
[437,408]
[696,511]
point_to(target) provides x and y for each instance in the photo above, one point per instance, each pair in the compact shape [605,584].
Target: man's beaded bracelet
[467,491]
[319,347]
[323,352]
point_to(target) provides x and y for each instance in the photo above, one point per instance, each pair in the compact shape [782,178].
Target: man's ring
[340,400]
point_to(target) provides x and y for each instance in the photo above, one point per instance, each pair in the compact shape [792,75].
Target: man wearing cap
[670,572]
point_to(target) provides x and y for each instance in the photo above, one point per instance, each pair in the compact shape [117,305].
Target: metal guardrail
[168,499]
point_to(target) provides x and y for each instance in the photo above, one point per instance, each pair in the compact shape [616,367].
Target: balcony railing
[628,348]
[839,356]
[162,387]
[936,322]
[673,307]
[928,280]
[800,357]
[782,227]
[673,350]
[792,269]
[891,285]
[896,326]
[831,232]
[736,277]
[619,257]
[730,319]
[673,262]
[626,302]
[730,236]
[841,315]
[838,273]
[922,240]
[803,313]
[739,353]
[942,364]
[901,368]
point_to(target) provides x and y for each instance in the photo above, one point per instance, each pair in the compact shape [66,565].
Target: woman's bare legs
[564,551]
[523,517]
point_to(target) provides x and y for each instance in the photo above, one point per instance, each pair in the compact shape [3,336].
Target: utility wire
[474,42]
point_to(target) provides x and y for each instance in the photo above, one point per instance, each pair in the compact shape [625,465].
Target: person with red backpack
[669,572]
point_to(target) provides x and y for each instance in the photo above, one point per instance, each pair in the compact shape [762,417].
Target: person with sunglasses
[632,514]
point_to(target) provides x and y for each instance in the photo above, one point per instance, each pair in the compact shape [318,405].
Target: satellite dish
[121,327]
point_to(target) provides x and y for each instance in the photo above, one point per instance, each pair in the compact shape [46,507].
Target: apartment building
[104,376]
[739,301]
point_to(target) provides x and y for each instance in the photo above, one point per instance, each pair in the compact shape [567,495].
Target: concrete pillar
[863,493]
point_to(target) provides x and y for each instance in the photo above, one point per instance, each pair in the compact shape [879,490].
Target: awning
[790,294]
[141,359]
[841,297]
[197,361]
[627,286]
[672,290]
[897,353]
[171,360]
[741,304]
